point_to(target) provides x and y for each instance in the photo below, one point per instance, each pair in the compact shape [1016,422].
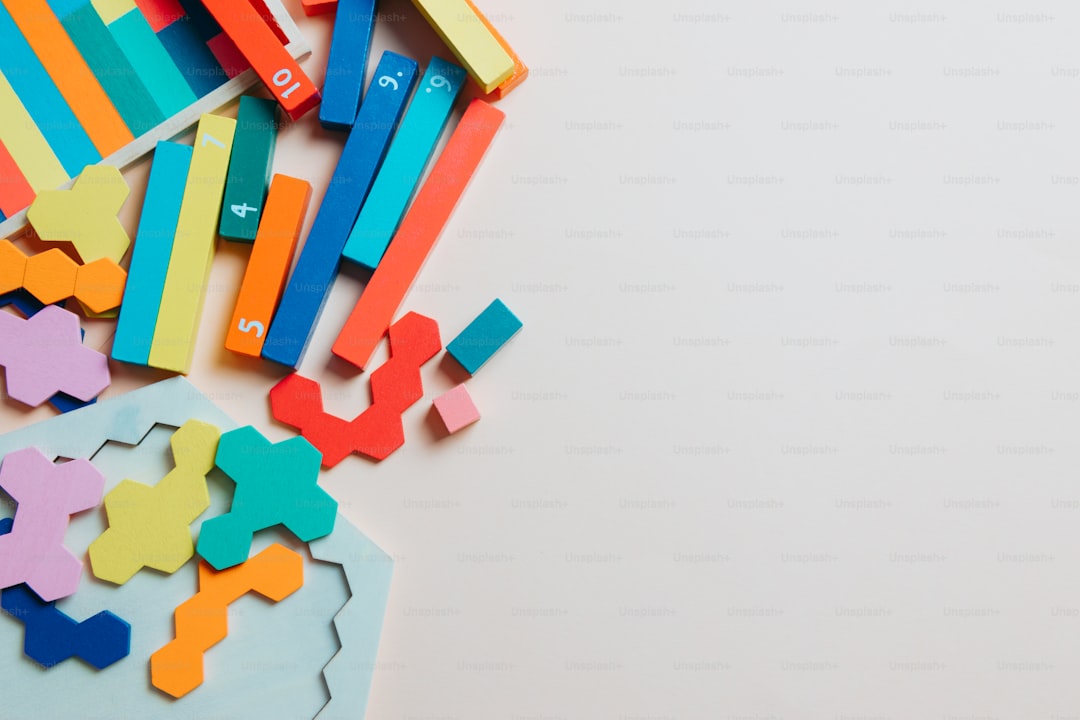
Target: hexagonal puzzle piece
[47,495]
[202,621]
[52,637]
[44,355]
[395,386]
[85,215]
[275,484]
[150,526]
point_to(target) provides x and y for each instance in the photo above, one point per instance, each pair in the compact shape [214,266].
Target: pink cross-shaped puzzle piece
[47,495]
[44,355]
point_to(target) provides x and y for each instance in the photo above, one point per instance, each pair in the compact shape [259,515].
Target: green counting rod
[405,161]
[249,169]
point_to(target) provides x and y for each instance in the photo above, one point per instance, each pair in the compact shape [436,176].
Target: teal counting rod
[408,155]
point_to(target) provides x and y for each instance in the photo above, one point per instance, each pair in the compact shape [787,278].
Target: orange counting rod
[292,88]
[72,76]
[417,234]
[283,216]
[521,71]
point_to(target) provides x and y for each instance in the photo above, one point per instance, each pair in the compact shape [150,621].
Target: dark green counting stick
[249,169]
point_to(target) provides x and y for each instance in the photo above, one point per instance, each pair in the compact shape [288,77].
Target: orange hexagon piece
[50,276]
[100,285]
[12,267]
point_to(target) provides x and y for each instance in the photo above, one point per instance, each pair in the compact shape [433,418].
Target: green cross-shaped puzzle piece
[275,484]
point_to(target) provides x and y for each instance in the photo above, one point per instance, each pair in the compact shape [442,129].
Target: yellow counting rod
[193,248]
[466,34]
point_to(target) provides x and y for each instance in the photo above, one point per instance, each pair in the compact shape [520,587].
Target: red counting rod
[292,88]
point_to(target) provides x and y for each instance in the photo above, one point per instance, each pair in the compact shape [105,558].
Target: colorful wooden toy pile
[86,81]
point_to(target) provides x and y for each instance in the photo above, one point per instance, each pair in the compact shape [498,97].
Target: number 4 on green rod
[249,168]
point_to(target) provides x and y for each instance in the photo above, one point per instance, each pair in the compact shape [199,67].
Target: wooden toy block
[43,101]
[418,232]
[395,386]
[150,258]
[152,63]
[51,277]
[28,147]
[203,621]
[28,305]
[483,337]
[347,63]
[12,267]
[22,301]
[149,525]
[469,38]
[47,495]
[249,168]
[268,267]
[67,68]
[15,191]
[85,215]
[275,483]
[317,266]
[318,7]
[51,637]
[293,689]
[111,67]
[521,71]
[193,247]
[281,74]
[456,409]
[409,154]
[44,355]
[99,285]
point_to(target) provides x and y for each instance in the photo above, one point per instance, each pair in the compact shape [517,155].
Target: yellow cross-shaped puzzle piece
[85,215]
[150,526]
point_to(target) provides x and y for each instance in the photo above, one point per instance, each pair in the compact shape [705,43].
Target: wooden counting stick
[193,248]
[459,25]
[249,168]
[255,40]
[317,267]
[417,235]
[272,254]
[347,63]
[150,258]
[409,154]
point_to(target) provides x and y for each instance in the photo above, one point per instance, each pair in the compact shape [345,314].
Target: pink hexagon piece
[47,495]
[44,355]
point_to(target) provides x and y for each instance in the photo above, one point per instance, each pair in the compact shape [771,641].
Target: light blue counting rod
[409,154]
[150,256]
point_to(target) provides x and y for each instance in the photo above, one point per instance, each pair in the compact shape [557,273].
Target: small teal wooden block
[483,337]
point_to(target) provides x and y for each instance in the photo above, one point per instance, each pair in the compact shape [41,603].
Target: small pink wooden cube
[456,409]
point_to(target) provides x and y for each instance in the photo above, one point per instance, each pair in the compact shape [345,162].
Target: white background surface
[790,430]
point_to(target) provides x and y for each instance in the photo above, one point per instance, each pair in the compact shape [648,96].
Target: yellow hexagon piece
[50,276]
